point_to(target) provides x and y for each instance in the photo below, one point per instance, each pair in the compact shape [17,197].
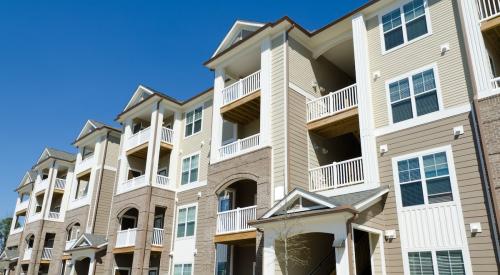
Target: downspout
[101,173]
[489,187]
[150,189]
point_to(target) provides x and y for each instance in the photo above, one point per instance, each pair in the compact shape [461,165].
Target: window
[413,96]
[183,269]
[190,169]
[424,179]
[87,152]
[404,24]
[24,197]
[82,188]
[420,263]
[186,221]
[132,173]
[20,221]
[450,262]
[193,121]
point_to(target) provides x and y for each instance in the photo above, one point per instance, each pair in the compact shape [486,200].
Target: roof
[56,153]
[29,177]
[92,126]
[91,241]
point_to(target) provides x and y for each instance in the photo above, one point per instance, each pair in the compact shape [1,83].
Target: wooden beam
[137,149]
[121,250]
[490,24]
[235,238]
[240,101]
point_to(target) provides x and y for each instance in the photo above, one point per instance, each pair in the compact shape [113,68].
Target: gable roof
[56,153]
[90,127]
[237,27]
[91,241]
[29,177]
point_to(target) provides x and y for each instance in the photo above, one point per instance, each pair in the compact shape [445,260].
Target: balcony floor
[236,237]
[336,125]
[140,151]
[122,250]
[490,24]
[243,110]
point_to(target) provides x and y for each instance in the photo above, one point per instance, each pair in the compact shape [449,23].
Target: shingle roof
[61,154]
[350,198]
[95,240]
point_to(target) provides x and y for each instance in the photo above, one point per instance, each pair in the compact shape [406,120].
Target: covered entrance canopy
[84,253]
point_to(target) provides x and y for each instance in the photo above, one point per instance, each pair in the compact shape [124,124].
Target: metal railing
[239,146]
[167,135]
[488,9]
[243,87]
[157,236]
[126,237]
[332,103]
[235,220]
[336,175]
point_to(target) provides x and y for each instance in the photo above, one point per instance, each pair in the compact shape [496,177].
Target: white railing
[22,205]
[41,185]
[27,253]
[235,220]
[496,82]
[488,9]
[167,135]
[336,175]
[241,88]
[126,237]
[332,103]
[138,138]
[60,183]
[157,236]
[85,164]
[54,215]
[132,184]
[163,182]
[69,244]
[239,146]
[47,253]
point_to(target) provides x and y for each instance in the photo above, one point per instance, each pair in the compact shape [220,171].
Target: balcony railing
[336,175]
[54,215]
[41,185]
[496,82]
[488,9]
[163,182]
[60,183]
[126,237]
[332,103]
[138,138]
[157,236]
[27,253]
[132,184]
[167,135]
[85,164]
[47,253]
[22,205]
[241,88]
[69,244]
[235,220]
[240,146]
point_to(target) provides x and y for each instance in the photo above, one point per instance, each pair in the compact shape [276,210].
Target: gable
[87,128]
[139,95]
[298,201]
[45,154]
[239,31]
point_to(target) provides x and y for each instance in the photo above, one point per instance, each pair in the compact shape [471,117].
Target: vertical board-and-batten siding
[426,137]
[277,111]
[297,141]
[445,29]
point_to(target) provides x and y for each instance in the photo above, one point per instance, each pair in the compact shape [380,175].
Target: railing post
[331,103]
[335,181]
[238,217]
[240,88]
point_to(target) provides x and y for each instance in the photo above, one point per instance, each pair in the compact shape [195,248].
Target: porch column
[73,271]
[269,255]
[341,253]
[92,265]
[265,88]
[216,115]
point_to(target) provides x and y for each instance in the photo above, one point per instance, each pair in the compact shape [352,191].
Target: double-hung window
[413,96]
[424,180]
[186,221]
[183,269]
[420,263]
[448,262]
[190,169]
[404,24]
[193,121]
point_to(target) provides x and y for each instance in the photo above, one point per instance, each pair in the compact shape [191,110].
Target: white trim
[380,234]
[285,113]
[179,208]
[230,33]
[292,196]
[400,5]
[427,118]
[193,185]
[192,109]
[180,185]
[134,96]
[409,77]
[183,263]
[301,91]
[361,206]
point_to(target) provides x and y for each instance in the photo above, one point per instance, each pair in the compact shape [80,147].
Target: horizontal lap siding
[445,27]
[297,141]
[277,111]
[429,136]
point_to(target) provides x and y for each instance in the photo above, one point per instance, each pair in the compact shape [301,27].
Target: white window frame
[433,252]
[182,161]
[400,5]
[184,263]
[409,76]
[186,206]
[121,268]
[185,120]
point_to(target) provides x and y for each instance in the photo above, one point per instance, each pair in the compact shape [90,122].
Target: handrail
[488,9]
[336,175]
[241,88]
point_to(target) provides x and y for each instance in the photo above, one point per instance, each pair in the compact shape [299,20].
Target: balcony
[235,220]
[138,141]
[488,9]
[60,184]
[336,175]
[132,184]
[85,164]
[27,254]
[239,147]
[47,253]
[163,182]
[334,114]
[241,100]
[157,238]
[126,238]
[22,205]
[41,185]
[54,215]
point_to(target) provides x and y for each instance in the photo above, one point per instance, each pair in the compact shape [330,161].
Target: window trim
[180,174]
[186,206]
[409,76]
[184,263]
[433,252]
[121,268]
[185,120]
[399,5]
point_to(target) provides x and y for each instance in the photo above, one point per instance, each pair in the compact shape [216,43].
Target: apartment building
[368,146]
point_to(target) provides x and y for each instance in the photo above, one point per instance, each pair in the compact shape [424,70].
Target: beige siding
[113,152]
[376,255]
[277,112]
[430,136]
[297,138]
[393,64]
[304,69]
[104,203]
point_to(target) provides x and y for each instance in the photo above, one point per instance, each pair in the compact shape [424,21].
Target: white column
[47,198]
[269,256]
[127,132]
[156,139]
[92,265]
[341,255]
[476,48]
[265,91]
[73,271]
[366,123]
[176,141]
[151,142]
[216,141]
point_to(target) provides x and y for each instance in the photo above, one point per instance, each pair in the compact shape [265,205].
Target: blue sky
[62,62]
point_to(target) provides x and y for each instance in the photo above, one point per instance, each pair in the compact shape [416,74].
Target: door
[226,200]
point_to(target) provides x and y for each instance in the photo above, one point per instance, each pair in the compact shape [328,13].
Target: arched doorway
[82,266]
